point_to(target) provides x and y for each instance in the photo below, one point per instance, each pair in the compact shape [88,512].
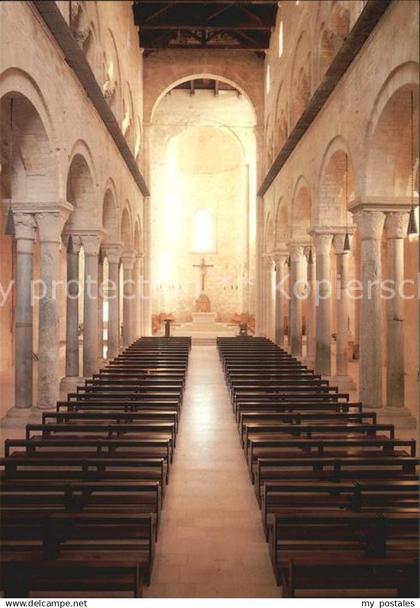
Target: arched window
[281,39]
[203,232]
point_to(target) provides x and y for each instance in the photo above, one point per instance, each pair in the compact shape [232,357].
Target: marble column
[91,244]
[72,377]
[263,297]
[322,244]
[127,259]
[269,298]
[395,231]
[281,290]
[297,292]
[370,225]
[24,234]
[311,309]
[342,314]
[101,307]
[50,225]
[113,253]
[138,289]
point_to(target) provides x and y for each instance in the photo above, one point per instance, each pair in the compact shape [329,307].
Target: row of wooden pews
[338,492]
[83,491]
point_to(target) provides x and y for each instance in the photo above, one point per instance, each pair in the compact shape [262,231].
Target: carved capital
[396,225]
[91,243]
[50,224]
[25,226]
[297,252]
[127,259]
[113,252]
[73,242]
[370,224]
[322,243]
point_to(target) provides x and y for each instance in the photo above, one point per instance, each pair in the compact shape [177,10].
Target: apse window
[204,232]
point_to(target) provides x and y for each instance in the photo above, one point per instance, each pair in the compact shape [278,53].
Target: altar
[204,318]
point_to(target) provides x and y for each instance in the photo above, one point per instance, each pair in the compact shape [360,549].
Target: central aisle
[211,542]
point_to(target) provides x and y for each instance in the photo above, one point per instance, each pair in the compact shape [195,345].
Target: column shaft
[72,321]
[342,312]
[100,308]
[90,309]
[24,227]
[323,304]
[298,282]
[396,226]
[280,299]
[50,225]
[370,225]
[311,313]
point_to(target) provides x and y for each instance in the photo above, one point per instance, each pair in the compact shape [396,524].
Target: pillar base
[400,417]
[16,417]
[69,384]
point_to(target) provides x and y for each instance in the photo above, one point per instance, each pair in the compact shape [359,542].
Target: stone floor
[211,542]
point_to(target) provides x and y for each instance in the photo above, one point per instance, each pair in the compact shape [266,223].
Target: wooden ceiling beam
[202,26]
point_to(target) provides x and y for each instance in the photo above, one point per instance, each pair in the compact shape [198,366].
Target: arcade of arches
[126,165]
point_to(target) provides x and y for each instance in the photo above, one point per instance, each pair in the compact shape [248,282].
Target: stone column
[280,261]
[263,297]
[24,234]
[91,244]
[113,253]
[100,307]
[370,225]
[297,292]
[72,377]
[322,243]
[269,298]
[127,259]
[342,314]
[50,225]
[396,230]
[138,301]
[311,309]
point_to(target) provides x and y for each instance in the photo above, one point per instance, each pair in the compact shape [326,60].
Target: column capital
[322,242]
[50,222]
[370,224]
[296,251]
[396,224]
[127,259]
[91,241]
[73,242]
[25,226]
[280,257]
[113,252]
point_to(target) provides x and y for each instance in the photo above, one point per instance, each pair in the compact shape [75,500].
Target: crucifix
[203,270]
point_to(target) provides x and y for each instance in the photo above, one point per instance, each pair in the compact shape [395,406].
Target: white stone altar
[204,328]
[204,318]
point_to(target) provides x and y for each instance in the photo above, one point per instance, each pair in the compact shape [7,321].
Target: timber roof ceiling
[197,24]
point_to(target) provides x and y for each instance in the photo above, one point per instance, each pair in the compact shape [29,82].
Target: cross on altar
[203,269]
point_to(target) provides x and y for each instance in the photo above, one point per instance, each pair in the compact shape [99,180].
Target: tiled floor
[211,542]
